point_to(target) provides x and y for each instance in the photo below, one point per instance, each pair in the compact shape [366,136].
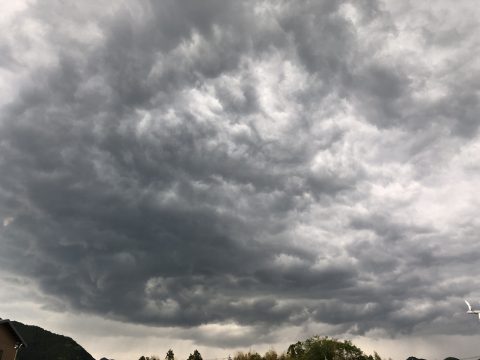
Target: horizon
[227,175]
[367,349]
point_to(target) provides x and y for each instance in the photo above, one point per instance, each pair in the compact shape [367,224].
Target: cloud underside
[264,164]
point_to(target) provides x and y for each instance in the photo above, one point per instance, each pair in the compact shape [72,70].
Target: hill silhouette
[45,345]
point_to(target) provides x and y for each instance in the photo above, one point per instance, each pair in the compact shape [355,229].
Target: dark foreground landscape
[45,345]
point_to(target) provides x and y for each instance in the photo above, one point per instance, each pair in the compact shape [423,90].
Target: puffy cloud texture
[244,166]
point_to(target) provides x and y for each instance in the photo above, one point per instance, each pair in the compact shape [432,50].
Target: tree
[170,355]
[316,348]
[270,355]
[196,356]
[248,356]
[296,350]
[240,356]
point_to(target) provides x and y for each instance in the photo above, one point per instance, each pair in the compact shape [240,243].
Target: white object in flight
[470,311]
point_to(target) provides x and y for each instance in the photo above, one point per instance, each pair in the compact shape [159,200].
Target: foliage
[170,355]
[270,355]
[43,344]
[195,356]
[316,348]
[247,356]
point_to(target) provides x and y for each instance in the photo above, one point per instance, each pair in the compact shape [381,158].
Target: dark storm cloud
[179,163]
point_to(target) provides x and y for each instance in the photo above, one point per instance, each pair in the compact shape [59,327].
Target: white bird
[470,311]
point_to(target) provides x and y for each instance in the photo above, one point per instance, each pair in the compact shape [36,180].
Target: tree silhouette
[326,348]
[170,355]
[196,356]
[270,355]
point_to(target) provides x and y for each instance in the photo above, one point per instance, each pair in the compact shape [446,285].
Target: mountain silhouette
[45,345]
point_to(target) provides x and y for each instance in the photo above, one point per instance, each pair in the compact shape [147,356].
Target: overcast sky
[228,175]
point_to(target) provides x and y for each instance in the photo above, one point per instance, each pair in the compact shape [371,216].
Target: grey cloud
[323,40]
[198,164]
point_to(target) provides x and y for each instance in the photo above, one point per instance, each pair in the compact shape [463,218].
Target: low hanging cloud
[263,164]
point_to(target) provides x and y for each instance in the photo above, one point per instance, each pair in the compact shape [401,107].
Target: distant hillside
[45,345]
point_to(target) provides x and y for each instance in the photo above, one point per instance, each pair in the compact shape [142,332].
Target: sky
[230,175]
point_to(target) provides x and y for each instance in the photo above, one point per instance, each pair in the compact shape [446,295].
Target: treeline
[314,348]
[171,356]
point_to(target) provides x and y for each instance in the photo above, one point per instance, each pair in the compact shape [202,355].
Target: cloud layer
[254,164]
